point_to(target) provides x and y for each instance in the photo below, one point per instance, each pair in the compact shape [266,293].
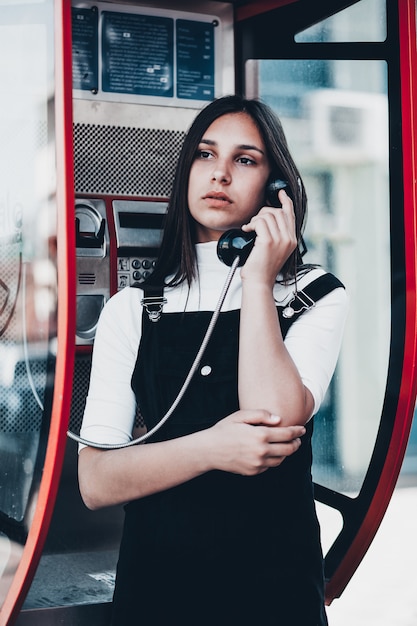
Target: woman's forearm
[268,377]
[109,477]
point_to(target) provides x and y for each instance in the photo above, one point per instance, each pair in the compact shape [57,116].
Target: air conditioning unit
[347,126]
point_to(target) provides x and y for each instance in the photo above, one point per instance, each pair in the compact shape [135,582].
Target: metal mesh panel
[81,381]
[10,292]
[29,417]
[19,410]
[125,161]
[23,366]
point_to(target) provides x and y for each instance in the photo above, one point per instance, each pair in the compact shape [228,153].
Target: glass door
[33,275]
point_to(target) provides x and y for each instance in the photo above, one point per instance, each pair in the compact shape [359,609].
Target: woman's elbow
[87,482]
[89,495]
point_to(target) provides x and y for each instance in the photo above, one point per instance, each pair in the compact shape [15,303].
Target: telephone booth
[98,97]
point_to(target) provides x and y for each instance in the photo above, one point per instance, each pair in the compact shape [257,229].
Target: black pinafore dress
[221,549]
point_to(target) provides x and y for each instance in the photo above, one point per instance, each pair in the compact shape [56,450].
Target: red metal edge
[65,321]
[407,396]
[256,8]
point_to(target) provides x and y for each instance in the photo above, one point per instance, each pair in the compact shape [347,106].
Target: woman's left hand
[275,241]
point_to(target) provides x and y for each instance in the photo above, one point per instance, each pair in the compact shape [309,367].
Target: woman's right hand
[250,442]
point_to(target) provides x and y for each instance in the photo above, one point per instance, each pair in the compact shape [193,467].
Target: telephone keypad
[133,270]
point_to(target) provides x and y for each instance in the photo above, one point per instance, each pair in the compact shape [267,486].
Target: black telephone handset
[236,242]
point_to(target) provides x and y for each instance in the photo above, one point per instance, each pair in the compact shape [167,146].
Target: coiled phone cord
[194,366]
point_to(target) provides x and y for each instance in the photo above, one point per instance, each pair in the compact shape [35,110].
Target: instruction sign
[195,60]
[135,55]
[85,49]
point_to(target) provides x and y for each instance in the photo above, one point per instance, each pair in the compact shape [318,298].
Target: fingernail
[275,418]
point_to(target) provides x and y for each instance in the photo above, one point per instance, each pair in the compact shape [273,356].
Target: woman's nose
[220,174]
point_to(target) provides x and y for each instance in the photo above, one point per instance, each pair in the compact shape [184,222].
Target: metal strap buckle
[154,306]
[305,301]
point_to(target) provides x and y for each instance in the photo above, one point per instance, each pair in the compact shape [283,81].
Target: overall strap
[306,299]
[303,300]
[153,301]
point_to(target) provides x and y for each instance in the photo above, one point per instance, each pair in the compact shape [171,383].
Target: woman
[220,523]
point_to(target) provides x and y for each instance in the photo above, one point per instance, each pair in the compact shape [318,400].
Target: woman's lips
[217,199]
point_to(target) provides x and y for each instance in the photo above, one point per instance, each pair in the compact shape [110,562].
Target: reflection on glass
[364,21]
[27,271]
[10,555]
[335,117]
[331,523]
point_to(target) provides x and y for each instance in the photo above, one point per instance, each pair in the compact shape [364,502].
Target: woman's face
[228,177]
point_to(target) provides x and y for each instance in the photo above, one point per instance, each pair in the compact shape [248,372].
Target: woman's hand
[276,240]
[250,442]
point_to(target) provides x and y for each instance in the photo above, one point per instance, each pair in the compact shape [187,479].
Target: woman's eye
[246,161]
[203,154]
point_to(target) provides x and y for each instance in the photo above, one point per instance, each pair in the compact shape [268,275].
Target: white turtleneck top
[313,341]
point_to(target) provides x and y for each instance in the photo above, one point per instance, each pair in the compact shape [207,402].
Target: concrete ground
[383,591]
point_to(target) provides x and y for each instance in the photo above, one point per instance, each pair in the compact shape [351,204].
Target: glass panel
[28,282]
[335,117]
[364,21]
[331,523]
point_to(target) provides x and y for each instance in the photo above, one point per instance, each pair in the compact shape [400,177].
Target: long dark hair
[177,257]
